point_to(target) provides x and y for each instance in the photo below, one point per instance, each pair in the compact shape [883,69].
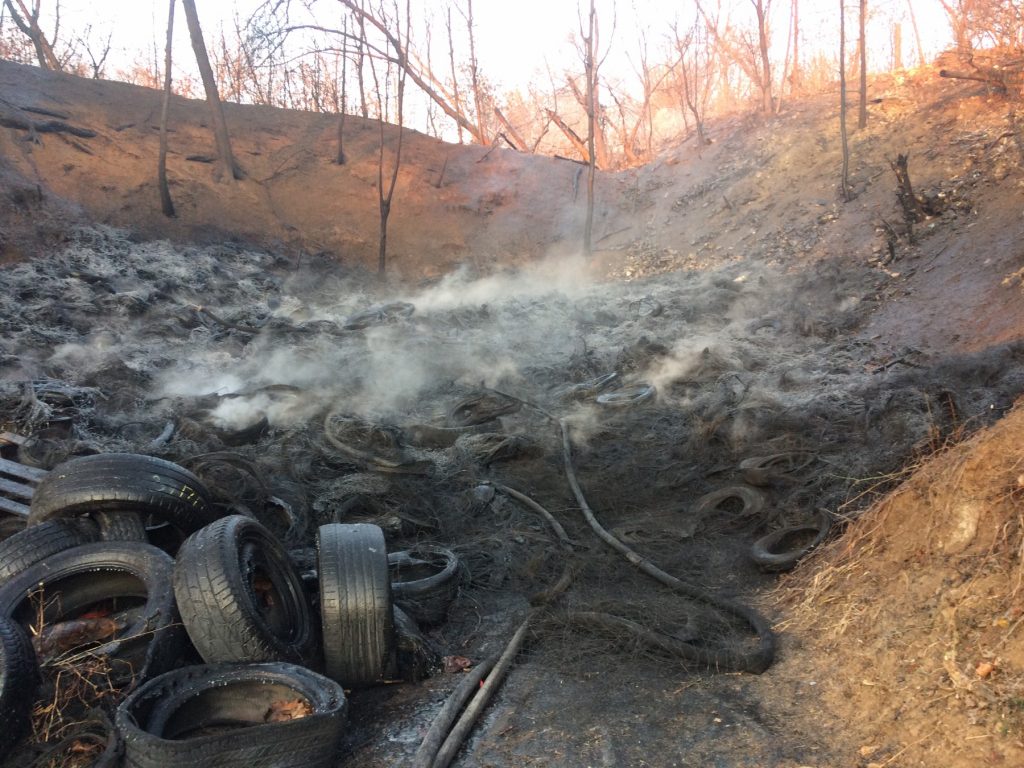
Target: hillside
[770,316]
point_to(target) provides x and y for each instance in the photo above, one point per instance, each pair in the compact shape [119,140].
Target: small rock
[984,669]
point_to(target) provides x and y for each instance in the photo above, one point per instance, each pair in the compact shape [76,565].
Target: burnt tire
[216,716]
[240,597]
[424,581]
[124,482]
[130,578]
[781,550]
[38,542]
[19,678]
[355,603]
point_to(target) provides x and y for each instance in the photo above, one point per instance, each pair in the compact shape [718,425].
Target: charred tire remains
[424,581]
[232,717]
[627,396]
[19,676]
[781,550]
[123,482]
[240,597]
[776,468]
[355,602]
[127,581]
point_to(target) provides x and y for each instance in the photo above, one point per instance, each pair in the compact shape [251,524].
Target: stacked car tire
[230,596]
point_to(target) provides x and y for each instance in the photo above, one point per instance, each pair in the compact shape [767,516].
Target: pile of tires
[217,649]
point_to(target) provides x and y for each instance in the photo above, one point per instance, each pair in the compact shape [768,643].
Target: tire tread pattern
[38,542]
[18,681]
[355,602]
[124,482]
[216,604]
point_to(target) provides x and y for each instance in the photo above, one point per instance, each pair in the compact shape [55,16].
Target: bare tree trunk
[28,22]
[785,68]
[862,113]
[220,126]
[761,8]
[343,107]
[474,74]
[797,74]
[574,138]
[455,74]
[917,33]
[897,46]
[844,181]
[520,143]
[590,67]
[364,110]
[166,204]
[384,198]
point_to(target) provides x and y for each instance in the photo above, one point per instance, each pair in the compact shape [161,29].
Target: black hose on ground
[756,661]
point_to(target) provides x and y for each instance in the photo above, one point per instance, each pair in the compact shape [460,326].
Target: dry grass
[922,613]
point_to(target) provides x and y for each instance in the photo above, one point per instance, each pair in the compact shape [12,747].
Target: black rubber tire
[355,603]
[215,580]
[424,581]
[92,573]
[38,542]
[154,720]
[776,468]
[19,678]
[766,550]
[706,506]
[124,482]
[10,525]
[120,526]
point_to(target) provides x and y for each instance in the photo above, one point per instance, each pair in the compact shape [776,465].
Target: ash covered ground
[258,371]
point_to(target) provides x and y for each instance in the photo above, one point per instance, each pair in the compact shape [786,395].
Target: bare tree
[98,57]
[796,73]
[590,67]
[474,74]
[27,20]
[696,73]
[418,72]
[455,74]
[166,204]
[844,180]
[917,33]
[749,54]
[220,125]
[862,113]
[761,10]
[385,197]
[342,106]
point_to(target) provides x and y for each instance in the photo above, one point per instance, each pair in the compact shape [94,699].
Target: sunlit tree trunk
[590,68]
[862,113]
[27,20]
[917,33]
[220,126]
[844,181]
[166,204]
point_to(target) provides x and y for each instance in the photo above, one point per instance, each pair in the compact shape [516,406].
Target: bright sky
[514,39]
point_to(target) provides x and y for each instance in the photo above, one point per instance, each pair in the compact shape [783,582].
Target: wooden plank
[16,490]
[11,437]
[13,469]
[13,507]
